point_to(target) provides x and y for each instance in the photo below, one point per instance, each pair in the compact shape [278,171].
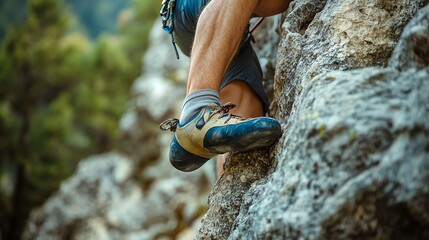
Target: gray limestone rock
[353,162]
[241,170]
[267,37]
[412,50]
[320,36]
[354,157]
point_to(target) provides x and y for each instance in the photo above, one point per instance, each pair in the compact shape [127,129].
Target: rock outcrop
[353,162]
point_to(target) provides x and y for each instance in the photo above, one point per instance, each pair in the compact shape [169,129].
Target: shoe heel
[184,160]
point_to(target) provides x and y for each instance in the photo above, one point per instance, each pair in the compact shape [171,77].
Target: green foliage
[61,99]
[30,86]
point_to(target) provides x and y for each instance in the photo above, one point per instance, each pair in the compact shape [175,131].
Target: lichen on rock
[352,87]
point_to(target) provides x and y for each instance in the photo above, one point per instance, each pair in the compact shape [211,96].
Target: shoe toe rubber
[253,134]
[183,160]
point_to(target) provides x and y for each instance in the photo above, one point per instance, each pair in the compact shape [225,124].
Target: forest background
[66,67]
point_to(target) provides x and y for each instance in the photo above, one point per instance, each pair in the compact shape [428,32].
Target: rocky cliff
[351,89]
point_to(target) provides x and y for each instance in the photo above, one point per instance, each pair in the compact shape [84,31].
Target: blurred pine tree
[30,84]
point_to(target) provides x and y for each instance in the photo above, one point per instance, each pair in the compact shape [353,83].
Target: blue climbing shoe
[214,131]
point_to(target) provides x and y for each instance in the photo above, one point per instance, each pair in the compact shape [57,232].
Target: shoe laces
[169,124]
[223,111]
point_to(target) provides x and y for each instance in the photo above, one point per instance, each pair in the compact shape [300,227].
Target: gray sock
[196,100]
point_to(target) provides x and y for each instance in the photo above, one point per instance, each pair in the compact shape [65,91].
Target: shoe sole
[247,142]
[233,138]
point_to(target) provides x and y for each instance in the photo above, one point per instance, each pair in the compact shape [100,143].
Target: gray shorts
[245,66]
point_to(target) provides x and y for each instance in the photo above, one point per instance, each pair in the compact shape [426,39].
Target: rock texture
[267,38]
[353,162]
[241,170]
[360,163]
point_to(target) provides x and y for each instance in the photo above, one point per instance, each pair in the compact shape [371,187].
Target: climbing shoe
[212,131]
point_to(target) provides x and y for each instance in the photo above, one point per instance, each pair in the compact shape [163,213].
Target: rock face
[267,38]
[353,162]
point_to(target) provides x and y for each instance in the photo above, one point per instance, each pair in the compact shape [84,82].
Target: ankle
[196,100]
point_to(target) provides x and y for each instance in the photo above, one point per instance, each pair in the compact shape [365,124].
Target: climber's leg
[206,128]
[218,36]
